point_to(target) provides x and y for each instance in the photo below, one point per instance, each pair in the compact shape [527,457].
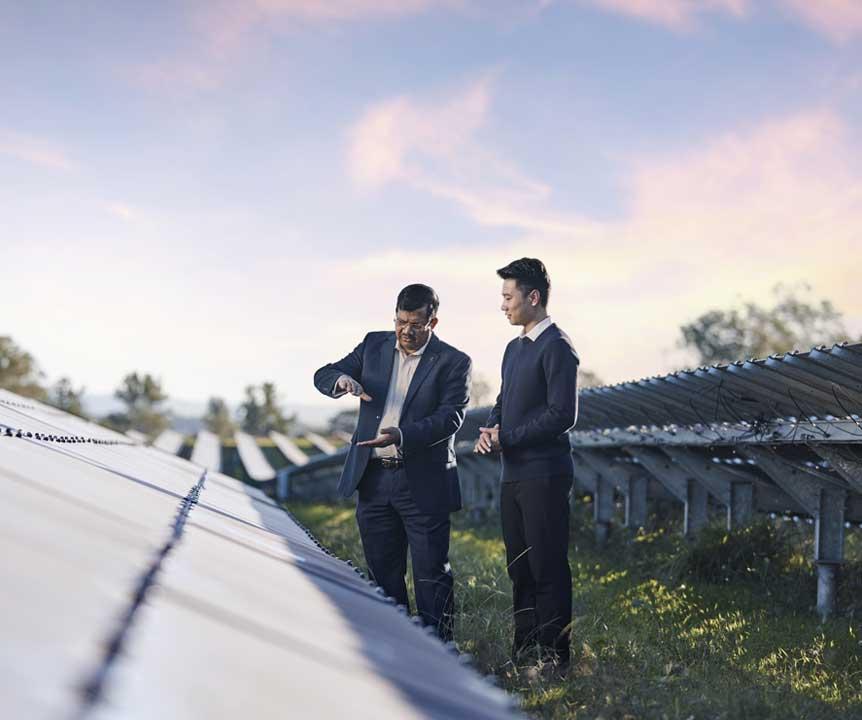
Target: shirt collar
[538,330]
[419,352]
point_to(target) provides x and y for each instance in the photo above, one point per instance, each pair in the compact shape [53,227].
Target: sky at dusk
[222,192]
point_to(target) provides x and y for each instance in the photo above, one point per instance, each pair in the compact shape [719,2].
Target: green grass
[663,628]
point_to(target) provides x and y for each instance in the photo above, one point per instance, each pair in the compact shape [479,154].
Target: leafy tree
[793,322]
[19,372]
[260,412]
[142,395]
[217,418]
[65,397]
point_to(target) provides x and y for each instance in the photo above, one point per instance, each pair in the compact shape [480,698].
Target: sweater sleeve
[496,415]
[560,365]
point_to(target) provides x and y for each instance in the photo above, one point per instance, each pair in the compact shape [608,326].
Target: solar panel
[136,585]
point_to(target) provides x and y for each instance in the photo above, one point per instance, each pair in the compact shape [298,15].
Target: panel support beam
[629,479]
[679,483]
[826,502]
[730,488]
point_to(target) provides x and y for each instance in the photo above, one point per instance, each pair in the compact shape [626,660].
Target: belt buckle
[390,463]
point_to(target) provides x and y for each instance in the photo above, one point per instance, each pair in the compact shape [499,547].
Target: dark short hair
[529,274]
[418,296]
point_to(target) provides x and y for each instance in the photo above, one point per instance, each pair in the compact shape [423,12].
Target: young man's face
[518,307]
[412,327]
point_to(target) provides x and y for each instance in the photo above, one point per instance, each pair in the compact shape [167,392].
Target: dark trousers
[389,522]
[535,517]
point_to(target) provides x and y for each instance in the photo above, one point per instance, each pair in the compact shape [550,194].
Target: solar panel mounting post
[826,503]
[603,509]
[679,483]
[696,507]
[829,547]
[740,511]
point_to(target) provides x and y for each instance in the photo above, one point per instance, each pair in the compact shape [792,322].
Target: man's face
[518,308]
[412,328]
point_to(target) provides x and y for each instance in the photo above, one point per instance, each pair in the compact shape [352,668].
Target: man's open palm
[388,436]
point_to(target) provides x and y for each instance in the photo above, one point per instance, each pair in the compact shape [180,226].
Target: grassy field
[663,628]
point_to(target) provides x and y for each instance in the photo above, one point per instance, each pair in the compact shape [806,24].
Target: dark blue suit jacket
[432,413]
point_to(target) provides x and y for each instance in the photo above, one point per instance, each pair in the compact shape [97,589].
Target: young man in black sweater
[529,425]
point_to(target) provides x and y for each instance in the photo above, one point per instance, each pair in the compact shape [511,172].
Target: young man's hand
[489,440]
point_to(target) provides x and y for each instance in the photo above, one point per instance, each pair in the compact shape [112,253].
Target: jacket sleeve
[351,364]
[560,365]
[446,420]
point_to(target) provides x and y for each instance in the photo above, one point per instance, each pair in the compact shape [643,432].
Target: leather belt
[389,463]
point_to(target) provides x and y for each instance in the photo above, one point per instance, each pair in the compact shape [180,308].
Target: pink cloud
[840,20]
[33,150]
[389,140]
[435,146]
[227,25]
[223,30]
[674,14]
[763,190]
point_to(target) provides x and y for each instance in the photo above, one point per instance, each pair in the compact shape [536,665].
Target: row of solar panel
[207,451]
[822,383]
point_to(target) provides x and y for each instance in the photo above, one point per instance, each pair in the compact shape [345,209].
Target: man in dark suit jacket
[529,425]
[414,389]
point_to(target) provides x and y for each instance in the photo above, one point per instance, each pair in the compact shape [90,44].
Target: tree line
[794,320]
[143,398]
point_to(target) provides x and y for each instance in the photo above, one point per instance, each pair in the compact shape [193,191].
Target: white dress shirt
[403,369]
[538,330]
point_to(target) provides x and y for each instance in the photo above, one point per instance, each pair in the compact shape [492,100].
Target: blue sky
[229,191]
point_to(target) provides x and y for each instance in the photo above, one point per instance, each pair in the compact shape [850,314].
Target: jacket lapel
[426,363]
[382,378]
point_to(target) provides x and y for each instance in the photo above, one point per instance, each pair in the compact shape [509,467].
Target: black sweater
[537,406]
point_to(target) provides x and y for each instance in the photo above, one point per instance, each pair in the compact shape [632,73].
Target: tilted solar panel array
[137,585]
[823,383]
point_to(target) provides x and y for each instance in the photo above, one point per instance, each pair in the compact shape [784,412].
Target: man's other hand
[489,440]
[348,384]
[388,436]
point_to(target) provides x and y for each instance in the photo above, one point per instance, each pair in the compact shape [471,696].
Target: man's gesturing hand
[489,440]
[348,384]
[388,436]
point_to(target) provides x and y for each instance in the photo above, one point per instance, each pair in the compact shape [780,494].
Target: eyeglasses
[415,327]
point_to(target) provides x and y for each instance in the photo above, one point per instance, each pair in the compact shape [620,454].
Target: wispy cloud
[227,23]
[221,31]
[674,14]
[435,145]
[34,150]
[840,20]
